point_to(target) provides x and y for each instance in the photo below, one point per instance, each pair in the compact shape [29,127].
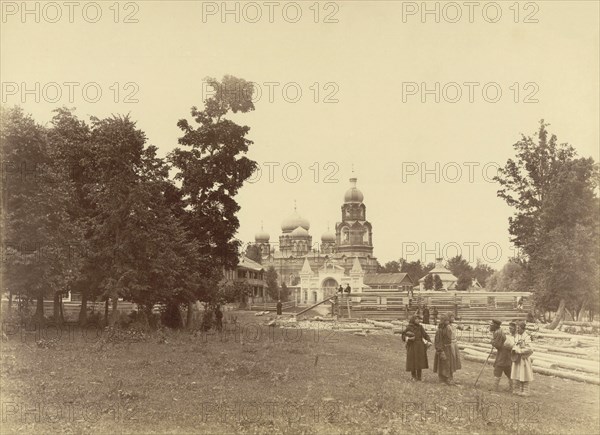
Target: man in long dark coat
[435,315]
[426,315]
[416,350]
[443,361]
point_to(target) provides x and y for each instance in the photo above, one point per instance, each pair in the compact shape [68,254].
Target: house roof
[444,274]
[247,263]
[385,278]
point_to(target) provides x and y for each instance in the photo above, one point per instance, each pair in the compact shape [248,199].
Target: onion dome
[294,221]
[327,237]
[299,232]
[262,237]
[353,195]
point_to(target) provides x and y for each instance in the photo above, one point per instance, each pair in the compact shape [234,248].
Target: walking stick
[484,364]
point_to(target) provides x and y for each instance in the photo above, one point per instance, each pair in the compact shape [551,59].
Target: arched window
[345,235]
[330,283]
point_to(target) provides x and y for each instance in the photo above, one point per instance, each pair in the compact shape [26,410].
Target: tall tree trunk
[61,314]
[568,315]
[147,310]
[9,299]
[115,312]
[56,307]
[190,313]
[83,309]
[39,310]
[559,315]
[583,309]
[106,312]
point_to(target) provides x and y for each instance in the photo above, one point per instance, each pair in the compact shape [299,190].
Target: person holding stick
[417,342]
[503,347]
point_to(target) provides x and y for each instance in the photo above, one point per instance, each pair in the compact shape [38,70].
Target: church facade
[315,271]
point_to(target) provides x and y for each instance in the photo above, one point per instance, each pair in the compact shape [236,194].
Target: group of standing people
[513,352]
[447,355]
[426,314]
[512,359]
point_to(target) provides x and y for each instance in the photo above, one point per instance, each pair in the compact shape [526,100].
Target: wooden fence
[388,305]
[270,306]
[71,309]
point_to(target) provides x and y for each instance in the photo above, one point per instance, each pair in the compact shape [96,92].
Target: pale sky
[364,61]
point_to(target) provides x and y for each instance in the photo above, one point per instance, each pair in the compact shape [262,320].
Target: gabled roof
[247,263]
[306,267]
[443,272]
[386,279]
[356,267]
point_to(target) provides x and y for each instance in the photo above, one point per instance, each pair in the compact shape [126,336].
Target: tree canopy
[556,224]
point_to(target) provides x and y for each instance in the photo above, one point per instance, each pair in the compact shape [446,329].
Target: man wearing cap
[503,361]
[417,341]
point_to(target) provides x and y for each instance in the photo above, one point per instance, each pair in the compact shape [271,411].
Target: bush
[171,317]
[207,320]
[123,321]
[95,318]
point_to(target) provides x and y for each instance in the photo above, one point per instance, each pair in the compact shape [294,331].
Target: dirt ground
[261,379]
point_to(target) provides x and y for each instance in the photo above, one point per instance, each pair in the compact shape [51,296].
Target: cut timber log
[568,363]
[591,324]
[567,351]
[545,371]
[557,360]
[386,325]
[567,375]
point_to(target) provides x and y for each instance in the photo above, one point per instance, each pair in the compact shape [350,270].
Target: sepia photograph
[300,217]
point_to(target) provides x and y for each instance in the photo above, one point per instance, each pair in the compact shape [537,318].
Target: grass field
[263,381]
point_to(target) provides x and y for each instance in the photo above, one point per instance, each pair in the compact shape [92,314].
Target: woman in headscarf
[442,363]
[455,361]
[415,337]
[521,370]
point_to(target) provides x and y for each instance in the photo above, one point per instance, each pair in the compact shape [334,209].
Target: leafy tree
[511,278]
[38,236]
[464,281]
[71,138]
[437,282]
[415,269]
[482,272]
[236,291]
[253,253]
[461,269]
[556,221]
[428,282]
[211,170]
[391,267]
[143,250]
[272,286]
[117,227]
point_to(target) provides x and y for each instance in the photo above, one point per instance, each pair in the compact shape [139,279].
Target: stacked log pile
[556,353]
